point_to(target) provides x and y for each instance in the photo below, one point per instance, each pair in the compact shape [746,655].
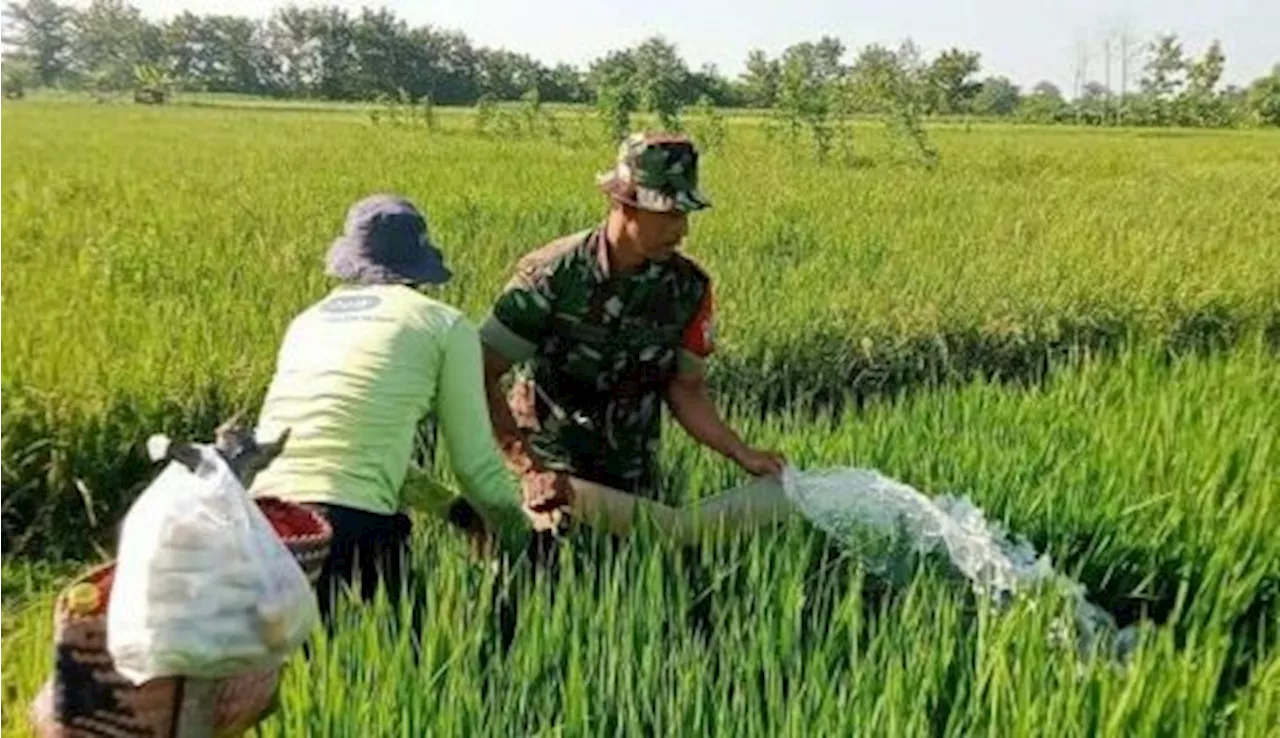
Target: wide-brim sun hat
[657,172]
[385,240]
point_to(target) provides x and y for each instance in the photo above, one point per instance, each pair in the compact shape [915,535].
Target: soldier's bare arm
[691,404]
[693,409]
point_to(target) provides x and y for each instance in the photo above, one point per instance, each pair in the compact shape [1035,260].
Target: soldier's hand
[760,463]
[547,496]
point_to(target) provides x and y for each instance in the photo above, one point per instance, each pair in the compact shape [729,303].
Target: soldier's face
[657,235]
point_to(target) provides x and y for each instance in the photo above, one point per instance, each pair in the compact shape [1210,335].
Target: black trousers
[367,549]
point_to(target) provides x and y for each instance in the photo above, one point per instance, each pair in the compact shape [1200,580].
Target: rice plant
[1077,329]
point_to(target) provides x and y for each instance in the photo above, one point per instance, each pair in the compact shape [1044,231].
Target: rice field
[1076,328]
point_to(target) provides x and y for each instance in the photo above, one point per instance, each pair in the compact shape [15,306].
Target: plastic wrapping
[203,585]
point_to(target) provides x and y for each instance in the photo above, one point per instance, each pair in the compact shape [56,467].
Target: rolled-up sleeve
[698,341]
[468,438]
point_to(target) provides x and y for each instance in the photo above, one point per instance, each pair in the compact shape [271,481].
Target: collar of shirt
[598,244]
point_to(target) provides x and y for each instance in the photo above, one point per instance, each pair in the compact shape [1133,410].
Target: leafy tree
[152,85]
[1164,69]
[951,87]
[507,75]
[708,82]
[40,31]
[1091,106]
[564,83]
[1200,104]
[710,129]
[18,77]
[805,94]
[383,57]
[908,92]
[291,43]
[998,96]
[828,54]
[329,52]
[1264,98]
[871,80]
[218,53]
[1045,104]
[660,79]
[616,96]
[761,79]
[111,40]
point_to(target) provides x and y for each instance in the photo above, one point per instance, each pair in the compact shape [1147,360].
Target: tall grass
[155,257]
[1153,481]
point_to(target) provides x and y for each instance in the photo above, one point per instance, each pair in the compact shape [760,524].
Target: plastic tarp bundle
[203,586]
[850,503]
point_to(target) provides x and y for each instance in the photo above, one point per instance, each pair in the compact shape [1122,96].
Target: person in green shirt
[356,373]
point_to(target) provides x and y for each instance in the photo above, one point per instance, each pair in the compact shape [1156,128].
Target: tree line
[332,54]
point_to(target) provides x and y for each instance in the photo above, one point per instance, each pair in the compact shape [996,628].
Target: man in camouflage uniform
[612,322]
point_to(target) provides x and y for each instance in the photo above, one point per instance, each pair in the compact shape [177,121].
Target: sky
[1025,40]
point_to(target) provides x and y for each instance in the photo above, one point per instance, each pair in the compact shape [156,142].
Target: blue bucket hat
[385,241]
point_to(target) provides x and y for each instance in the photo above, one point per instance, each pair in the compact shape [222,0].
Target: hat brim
[348,261]
[656,201]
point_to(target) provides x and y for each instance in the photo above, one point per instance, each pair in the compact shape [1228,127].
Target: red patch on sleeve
[700,334]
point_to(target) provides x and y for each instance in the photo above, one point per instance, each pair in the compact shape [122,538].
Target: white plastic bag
[203,586]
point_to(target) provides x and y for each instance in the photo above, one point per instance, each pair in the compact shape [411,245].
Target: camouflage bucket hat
[656,172]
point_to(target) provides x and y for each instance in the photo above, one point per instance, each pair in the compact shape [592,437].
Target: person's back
[355,375]
[356,372]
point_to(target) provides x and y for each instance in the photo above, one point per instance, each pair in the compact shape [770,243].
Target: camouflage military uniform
[602,347]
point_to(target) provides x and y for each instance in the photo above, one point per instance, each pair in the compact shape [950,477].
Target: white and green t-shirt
[355,373]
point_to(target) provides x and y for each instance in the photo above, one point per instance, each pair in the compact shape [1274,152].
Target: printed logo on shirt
[351,303]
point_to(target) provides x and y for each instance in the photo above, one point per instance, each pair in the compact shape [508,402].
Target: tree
[1164,77]
[998,96]
[660,78]
[288,42]
[1264,98]
[507,75]
[613,78]
[828,54]
[1091,107]
[112,39]
[1204,73]
[383,57]
[761,79]
[218,53]
[870,82]
[1200,104]
[453,63]
[41,35]
[950,87]
[18,76]
[709,83]
[804,97]
[1045,104]
[564,83]
[1164,68]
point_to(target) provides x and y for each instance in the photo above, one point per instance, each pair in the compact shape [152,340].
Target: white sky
[1026,40]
